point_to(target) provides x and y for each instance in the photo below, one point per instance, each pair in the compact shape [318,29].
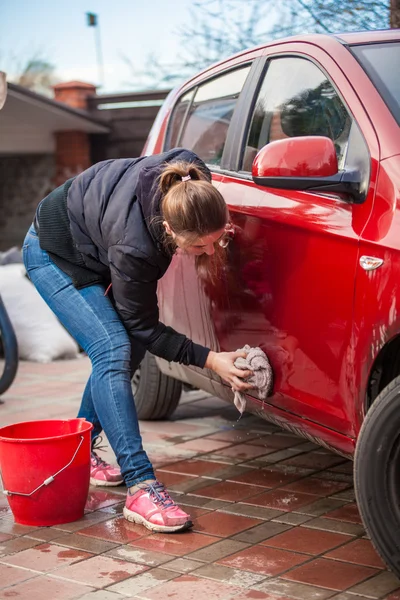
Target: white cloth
[40,335]
[262,378]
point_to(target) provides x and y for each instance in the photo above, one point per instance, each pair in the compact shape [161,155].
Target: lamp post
[93,21]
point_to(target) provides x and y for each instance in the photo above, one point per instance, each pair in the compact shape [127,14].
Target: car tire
[156,395]
[377,474]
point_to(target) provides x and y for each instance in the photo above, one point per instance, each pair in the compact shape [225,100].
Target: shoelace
[159,494]
[96,445]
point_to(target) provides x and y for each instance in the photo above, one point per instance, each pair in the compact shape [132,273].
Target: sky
[59,30]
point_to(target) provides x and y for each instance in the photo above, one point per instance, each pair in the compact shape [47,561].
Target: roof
[28,121]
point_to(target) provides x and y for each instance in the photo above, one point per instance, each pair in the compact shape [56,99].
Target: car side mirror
[307,163]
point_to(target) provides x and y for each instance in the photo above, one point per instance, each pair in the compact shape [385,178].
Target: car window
[177,120]
[296,99]
[200,122]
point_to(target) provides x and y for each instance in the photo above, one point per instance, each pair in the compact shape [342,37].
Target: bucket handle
[49,479]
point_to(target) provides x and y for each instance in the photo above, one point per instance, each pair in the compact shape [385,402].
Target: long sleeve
[134,280]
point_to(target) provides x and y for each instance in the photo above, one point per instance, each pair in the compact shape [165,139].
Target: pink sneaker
[101,472]
[154,508]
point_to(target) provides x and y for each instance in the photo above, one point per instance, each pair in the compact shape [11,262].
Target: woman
[117,225]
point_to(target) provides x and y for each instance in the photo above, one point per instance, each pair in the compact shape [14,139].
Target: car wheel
[377,474]
[156,395]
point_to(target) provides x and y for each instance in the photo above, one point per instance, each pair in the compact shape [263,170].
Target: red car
[302,137]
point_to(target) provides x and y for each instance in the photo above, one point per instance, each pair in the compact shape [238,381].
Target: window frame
[226,155]
[248,114]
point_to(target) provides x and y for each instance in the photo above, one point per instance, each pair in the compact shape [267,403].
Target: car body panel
[293,283]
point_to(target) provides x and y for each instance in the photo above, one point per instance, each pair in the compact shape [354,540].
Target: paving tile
[394,596]
[195,467]
[101,499]
[171,479]
[45,557]
[141,557]
[255,535]
[309,541]
[9,527]
[191,485]
[253,594]
[83,542]
[117,530]
[192,588]
[319,487]
[4,537]
[298,591]
[99,571]
[222,524]
[101,595]
[292,518]
[229,472]
[182,565]
[321,507]
[278,441]
[269,478]
[360,552]
[281,500]
[229,490]
[177,544]
[45,587]
[349,513]
[243,451]
[258,512]
[218,550]
[88,519]
[17,544]
[378,586]
[203,445]
[315,460]
[345,467]
[334,525]
[46,534]
[234,435]
[232,576]
[275,456]
[268,561]
[142,582]
[328,574]
[10,575]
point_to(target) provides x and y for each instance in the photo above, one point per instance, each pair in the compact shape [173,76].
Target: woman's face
[202,245]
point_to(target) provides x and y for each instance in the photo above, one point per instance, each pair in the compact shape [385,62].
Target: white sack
[41,337]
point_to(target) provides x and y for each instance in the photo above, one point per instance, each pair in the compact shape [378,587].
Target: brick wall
[24,181]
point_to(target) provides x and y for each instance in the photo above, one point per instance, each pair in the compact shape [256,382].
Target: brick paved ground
[274,516]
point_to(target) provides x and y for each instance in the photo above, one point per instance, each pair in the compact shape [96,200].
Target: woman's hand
[222,363]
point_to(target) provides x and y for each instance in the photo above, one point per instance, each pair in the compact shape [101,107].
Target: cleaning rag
[262,378]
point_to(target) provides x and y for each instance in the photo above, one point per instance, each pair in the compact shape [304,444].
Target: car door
[290,276]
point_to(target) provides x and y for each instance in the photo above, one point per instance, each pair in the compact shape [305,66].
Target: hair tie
[186,178]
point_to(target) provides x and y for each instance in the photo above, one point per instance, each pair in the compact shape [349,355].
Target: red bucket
[45,467]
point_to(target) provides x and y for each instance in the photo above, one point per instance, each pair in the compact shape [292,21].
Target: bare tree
[220,28]
[395,14]
[215,29]
[329,16]
[35,73]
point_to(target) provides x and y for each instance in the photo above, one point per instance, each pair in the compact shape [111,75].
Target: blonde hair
[193,208]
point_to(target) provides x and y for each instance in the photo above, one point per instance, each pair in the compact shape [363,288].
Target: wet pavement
[274,515]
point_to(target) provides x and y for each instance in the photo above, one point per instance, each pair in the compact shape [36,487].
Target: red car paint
[293,283]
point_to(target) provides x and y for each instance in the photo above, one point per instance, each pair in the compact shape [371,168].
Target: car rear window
[382,64]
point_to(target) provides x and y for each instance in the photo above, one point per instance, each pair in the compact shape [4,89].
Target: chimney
[74,93]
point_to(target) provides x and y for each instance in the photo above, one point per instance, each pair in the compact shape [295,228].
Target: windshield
[382,64]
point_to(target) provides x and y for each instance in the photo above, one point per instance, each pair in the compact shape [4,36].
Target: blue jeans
[91,319]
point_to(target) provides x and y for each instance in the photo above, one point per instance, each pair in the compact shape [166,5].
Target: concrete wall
[24,181]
